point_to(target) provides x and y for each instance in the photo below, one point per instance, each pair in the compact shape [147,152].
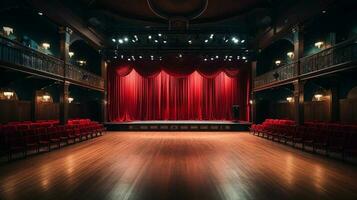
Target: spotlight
[159,34]
[164,41]
[206,41]
[126,39]
[180,55]
[242,41]
[277,62]
[149,37]
[205,59]
[156,41]
[120,41]
[211,36]
[133,41]
[114,40]
[190,41]
[140,57]
[40,13]
[244,57]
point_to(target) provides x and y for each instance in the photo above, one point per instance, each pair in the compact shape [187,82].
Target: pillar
[253,109]
[299,101]
[335,104]
[105,93]
[65,34]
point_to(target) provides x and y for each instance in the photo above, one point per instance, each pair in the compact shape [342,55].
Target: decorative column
[299,101]
[105,93]
[253,95]
[65,34]
[335,103]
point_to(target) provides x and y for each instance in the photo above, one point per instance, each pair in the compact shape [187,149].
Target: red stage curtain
[158,95]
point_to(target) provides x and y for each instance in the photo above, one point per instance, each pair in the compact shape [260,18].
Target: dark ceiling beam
[65,17]
[294,15]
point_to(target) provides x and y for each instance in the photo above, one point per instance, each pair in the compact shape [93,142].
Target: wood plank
[178,165]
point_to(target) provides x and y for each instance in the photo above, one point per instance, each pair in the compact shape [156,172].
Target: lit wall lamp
[46,97]
[7,30]
[278,62]
[8,94]
[290,54]
[70,99]
[46,45]
[318,96]
[250,102]
[289,99]
[319,44]
[82,62]
[71,54]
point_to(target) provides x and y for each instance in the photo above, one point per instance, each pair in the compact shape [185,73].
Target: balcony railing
[282,73]
[339,54]
[80,75]
[342,53]
[14,53]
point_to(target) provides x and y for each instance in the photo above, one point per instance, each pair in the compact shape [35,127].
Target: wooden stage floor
[178,165]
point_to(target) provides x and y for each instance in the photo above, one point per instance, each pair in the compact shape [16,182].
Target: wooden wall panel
[348,110]
[45,111]
[317,111]
[15,111]
[282,110]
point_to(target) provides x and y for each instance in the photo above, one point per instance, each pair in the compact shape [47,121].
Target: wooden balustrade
[15,54]
[343,53]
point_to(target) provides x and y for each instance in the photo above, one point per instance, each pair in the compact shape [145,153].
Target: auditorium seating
[327,137]
[32,137]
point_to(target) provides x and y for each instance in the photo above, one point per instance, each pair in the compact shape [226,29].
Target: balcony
[338,57]
[17,56]
[284,73]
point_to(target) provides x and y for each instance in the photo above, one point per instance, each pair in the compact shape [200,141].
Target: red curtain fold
[155,94]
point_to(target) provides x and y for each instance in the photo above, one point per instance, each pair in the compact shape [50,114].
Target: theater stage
[179,125]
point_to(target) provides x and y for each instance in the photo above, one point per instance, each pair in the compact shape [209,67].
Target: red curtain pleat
[166,97]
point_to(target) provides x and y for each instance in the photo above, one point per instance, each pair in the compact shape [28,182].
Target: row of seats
[328,137]
[28,137]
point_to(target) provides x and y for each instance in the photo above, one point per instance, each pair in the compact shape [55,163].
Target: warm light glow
[46,97]
[319,44]
[71,54]
[70,99]
[7,30]
[82,62]
[8,95]
[289,99]
[251,102]
[318,97]
[290,54]
[46,45]
[277,62]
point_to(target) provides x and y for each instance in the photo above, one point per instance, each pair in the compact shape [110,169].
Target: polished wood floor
[183,166]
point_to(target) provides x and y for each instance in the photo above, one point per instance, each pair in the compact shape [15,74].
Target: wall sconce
[277,62]
[70,99]
[318,96]
[46,97]
[319,44]
[250,102]
[289,99]
[82,62]
[8,94]
[71,54]
[7,30]
[290,54]
[46,45]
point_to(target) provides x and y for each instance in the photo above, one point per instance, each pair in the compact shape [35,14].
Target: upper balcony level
[16,56]
[336,58]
